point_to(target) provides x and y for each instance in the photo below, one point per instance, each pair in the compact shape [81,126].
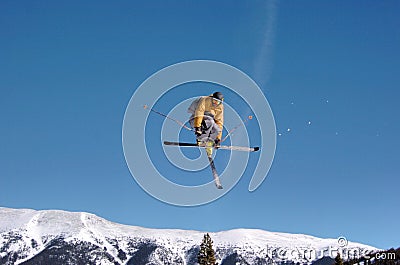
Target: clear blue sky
[69,68]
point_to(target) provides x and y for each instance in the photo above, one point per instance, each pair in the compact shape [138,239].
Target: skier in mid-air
[207,119]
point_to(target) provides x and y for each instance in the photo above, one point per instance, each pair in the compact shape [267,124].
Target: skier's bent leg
[215,130]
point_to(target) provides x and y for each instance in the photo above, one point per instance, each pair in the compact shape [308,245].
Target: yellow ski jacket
[206,105]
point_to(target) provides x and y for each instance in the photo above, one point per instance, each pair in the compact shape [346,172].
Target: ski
[223,147]
[214,172]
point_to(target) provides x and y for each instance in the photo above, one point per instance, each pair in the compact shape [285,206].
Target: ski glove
[197,131]
[217,142]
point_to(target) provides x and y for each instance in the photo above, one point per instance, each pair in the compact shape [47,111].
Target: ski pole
[237,127]
[168,117]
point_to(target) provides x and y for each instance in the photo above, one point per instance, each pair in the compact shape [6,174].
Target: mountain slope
[60,237]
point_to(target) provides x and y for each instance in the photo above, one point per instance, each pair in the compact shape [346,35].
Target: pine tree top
[338,260]
[206,254]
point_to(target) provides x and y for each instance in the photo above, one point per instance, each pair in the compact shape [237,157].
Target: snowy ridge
[87,238]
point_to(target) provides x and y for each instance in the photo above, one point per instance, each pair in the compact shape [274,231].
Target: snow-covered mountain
[59,237]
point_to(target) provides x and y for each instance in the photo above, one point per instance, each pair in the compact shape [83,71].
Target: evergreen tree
[206,254]
[338,260]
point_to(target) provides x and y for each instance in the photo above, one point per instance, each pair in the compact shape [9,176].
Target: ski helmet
[218,95]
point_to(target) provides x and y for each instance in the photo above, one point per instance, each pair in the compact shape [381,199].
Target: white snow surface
[80,226]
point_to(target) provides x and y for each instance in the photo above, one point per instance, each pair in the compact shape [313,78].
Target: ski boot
[209,148]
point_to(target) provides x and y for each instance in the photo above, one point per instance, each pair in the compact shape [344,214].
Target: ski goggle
[217,101]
